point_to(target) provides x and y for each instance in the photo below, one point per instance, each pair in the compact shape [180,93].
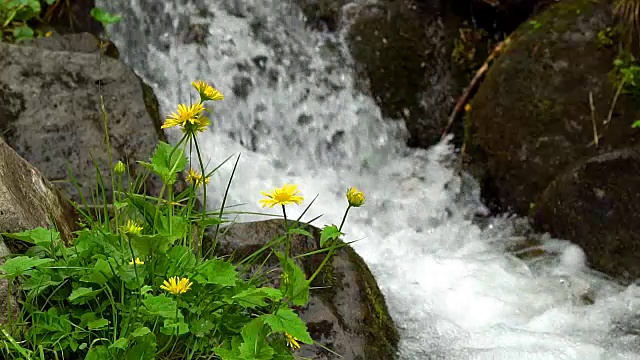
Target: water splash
[452,286]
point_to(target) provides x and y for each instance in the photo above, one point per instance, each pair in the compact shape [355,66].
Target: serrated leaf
[171,327]
[166,162]
[217,272]
[141,331]
[82,294]
[144,245]
[285,320]
[160,306]
[23,32]
[98,353]
[121,344]
[104,17]
[293,283]
[97,324]
[177,230]
[39,236]
[99,274]
[329,232]
[254,345]
[20,264]
[201,327]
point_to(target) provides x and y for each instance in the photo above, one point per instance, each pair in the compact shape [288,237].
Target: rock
[82,42]
[404,52]
[27,201]
[596,204]
[531,118]
[50,111]
[348,316]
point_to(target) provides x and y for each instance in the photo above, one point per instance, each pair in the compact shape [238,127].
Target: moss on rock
[531,117]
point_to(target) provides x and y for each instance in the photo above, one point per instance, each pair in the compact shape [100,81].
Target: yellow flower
[467,107]
[48,34]
[355,197]
[185,114]
[195,178]
[288,194]
[137,261]
[198,124]
[176,285]
[132,228]
[206,91]
[292,341]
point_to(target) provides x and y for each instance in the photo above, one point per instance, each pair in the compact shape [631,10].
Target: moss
[381,324]
[531,115]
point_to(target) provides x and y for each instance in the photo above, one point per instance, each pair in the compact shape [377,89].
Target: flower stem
[332,250]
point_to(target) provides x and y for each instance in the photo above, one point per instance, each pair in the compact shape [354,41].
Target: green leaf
[97,324]
[300,231]
[166,162]
[170,327]
[218,272]
[160,306]
[38,283]
[98,353]
[25,9]
[177,230]
[100,274]
[23,32]
[293,283]
[181,260]
[144,245]
[39,236]
[104,17]
[252,298]
[82,294]
[18,265]
[636,124]
[329,232]
[285,320]
[201,327]
[121,344]
[141,331]
[254,345]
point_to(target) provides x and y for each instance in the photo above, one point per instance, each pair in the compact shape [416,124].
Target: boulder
[596,204]
[27,201]
[50,111]
[531,117]
[402,50]
[346,313]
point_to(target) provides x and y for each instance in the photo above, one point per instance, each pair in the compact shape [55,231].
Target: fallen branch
[473,85]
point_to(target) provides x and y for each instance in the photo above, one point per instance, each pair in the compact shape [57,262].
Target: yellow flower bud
[355,197]
[119,169]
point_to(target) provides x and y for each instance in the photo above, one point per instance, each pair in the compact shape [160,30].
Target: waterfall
[293,113]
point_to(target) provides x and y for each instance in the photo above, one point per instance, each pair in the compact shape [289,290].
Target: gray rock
[27,201]
[50,111]
[596,204]
[346,313]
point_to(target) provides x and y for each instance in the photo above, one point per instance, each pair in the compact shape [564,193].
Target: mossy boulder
[596,203]
[531,117]
[533,142]
[402,51]
[346,312]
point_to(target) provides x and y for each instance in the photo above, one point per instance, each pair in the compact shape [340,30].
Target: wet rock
[596,204]
[50,112]
[403,53]
[531,118]
[346,313]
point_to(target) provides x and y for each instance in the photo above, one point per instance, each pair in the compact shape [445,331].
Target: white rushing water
[291,110]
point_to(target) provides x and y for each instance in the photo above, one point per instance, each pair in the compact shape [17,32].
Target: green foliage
[17,18]
[134,285]
[627,75]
